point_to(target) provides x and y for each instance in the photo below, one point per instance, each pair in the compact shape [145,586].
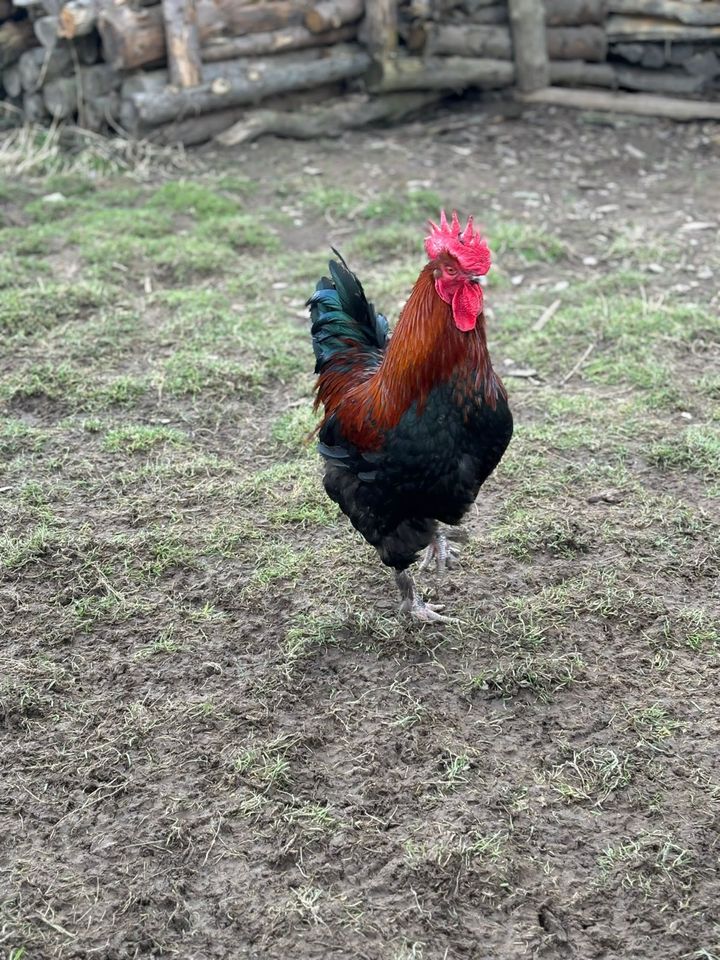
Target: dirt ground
[218,738]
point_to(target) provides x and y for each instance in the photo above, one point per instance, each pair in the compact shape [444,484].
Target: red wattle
[466,306]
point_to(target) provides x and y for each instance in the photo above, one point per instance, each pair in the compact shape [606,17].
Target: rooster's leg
[440,555]
[413,603]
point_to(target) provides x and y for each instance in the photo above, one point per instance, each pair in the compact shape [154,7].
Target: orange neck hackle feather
[425,350]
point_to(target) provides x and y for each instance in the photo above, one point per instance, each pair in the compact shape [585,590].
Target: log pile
[655,46]
[186,70]
[192,65]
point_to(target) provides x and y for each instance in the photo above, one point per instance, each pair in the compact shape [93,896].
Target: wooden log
[155,81]
[632,52]
[450,39]
[77,18]
[46,31]
[61,97]
[621,27]
[33,107]
[11,81]
[16,36]
[277,41]
[498,13]
[39,65]
[441,73]
[574,73]
[527,23]
[572,13]
[616,76]
[653,55]
[248,84]
[694,14]
[703,64]
[135,38]
[102,112]
[670,81]
[577,43]
[194,130]
[203,127]
[331,14]
[182,42]
[639,104]
[66,96]
[472,6]
[131,38]
[327,120]
[380,28]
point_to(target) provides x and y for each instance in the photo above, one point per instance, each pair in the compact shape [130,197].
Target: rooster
[414,423]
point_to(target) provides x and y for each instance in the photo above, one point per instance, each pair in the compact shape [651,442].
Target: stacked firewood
[652,54]
[620,44]
[678,40]
[103,63]
[186,70]
[575,29]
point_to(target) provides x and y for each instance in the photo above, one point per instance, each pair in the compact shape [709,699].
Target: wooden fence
[187,70]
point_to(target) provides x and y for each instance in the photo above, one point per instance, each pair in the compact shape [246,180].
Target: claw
[413,604]
[423,612]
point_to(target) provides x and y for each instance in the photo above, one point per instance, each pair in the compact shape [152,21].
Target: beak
[476,278]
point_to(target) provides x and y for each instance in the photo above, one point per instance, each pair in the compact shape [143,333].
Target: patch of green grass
[335,201]
[525,532]
[232,183]
[195,199]
[240,233]
[646,862]
[697,448]
[386,242]
[543,676]
[654,724]
[164,643]
[17,552]
[277,562]
[140,438]
[525,241]
[590,775]
[408,206]
[291,492]
[294,429]
[17,437]
[456,767]
[120,392]
[265,765]
[107,608]
[192,371]
[164,550]
[29,311]
[308,633]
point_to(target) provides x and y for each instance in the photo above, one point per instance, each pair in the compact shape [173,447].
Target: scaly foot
[413,604]
[440,554]
[423,612]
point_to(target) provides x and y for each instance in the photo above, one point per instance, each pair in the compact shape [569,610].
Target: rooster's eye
[450,271]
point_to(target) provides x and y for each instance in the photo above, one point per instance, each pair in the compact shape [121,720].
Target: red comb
[467,246]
